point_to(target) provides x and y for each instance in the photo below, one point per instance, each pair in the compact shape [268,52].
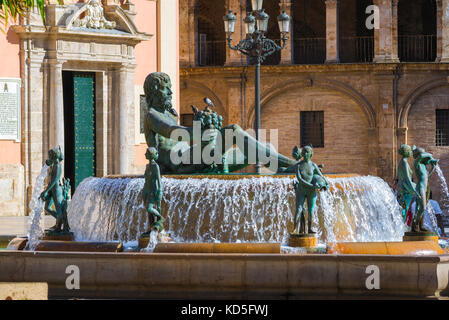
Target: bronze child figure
[56,195]
[152,192]
[310,179]
[422,159]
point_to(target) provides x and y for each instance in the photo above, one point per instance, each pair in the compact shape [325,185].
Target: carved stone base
[420,236]
[57,236]
[302,240]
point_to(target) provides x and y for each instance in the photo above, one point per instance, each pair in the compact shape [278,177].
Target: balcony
[309,50]
[417,48]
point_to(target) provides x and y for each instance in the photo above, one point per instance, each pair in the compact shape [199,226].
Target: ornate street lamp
[257,46]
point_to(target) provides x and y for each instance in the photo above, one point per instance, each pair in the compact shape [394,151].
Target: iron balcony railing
[309,50]
[417,48]
[357,49]
[211,53]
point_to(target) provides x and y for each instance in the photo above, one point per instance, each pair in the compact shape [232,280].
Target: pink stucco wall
[10,68]
[9,52]
[146,51]
[146,54]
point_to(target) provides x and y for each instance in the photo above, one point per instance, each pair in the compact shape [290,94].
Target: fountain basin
[228,276]
[386,248]
[218,248]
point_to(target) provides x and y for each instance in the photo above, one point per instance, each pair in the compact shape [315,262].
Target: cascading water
[36,207]
[243,210]
[444,200]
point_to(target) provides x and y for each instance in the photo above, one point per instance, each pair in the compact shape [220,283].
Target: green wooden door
[84,125]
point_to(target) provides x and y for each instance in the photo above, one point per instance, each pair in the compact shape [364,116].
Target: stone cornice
[387,68]
[61,33]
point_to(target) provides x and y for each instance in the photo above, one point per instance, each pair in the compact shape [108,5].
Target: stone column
[443,28]
[386,37]
[439,19]
[56,104]
[233,57]
[187,32]
[332,33]
[124,109]
[287,54]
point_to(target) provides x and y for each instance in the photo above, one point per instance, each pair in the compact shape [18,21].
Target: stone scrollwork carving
[95,18]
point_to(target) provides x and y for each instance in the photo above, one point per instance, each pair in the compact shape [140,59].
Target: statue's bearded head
[158,92]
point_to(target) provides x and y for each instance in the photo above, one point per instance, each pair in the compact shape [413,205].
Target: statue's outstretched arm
[165,127]
[427,158]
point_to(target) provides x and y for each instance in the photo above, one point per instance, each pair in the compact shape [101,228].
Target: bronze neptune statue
[161,121]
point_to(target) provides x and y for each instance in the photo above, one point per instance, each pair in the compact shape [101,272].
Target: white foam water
[444,200]
[36,208]
[243,210]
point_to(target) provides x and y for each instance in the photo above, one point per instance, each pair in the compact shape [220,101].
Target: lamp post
[257,47]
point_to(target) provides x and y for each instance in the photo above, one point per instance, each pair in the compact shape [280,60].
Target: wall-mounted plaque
[10,109]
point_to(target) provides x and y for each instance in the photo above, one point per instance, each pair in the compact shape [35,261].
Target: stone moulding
[114,17]
[228,276]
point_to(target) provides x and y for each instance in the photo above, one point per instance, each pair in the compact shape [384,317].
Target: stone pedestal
[420,236]
[57,236]
[302,240]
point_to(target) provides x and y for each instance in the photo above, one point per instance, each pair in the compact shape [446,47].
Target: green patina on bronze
[56,194]
[422,159]
[161,121]
[152,192]
[406,187]
[408,190]
[310,179]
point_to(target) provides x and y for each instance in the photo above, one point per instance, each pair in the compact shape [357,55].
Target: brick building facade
[377,88]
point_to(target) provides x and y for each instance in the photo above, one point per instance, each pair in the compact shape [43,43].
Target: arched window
[309,31]
[356,39]
[210,35]
[417,29]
